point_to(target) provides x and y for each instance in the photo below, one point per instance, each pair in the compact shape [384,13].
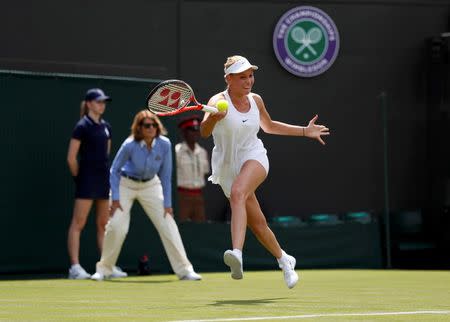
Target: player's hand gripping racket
[173,97]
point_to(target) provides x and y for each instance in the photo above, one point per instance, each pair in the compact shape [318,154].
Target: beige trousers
[150,196]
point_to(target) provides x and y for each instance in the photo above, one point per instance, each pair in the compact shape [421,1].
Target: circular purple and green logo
[306,41]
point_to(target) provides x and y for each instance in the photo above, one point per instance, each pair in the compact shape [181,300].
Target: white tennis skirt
[224,175]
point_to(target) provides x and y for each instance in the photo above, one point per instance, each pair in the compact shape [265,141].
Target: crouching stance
[142,171]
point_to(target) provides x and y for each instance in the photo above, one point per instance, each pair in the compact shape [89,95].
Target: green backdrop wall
[36,189]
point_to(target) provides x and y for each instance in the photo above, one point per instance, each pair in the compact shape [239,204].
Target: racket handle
[209,109]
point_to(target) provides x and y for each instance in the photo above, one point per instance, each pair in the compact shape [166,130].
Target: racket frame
[196,107]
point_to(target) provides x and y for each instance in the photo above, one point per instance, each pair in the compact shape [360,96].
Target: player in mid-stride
[240,164]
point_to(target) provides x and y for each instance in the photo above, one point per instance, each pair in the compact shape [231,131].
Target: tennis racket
[173,97]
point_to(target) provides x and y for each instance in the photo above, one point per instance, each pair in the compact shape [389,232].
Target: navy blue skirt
[92,184]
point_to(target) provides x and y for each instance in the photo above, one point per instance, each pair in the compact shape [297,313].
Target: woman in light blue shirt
[142,170]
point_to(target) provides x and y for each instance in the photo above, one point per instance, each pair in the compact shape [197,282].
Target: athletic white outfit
[235,142]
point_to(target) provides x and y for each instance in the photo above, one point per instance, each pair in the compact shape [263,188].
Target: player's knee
[238,194]
[259,227]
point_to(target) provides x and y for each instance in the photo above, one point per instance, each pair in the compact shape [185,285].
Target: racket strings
[169,97]
[156,107]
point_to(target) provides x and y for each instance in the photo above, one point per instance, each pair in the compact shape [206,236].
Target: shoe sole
[190,279]
[295,283]
[234,264]
[118,276]
[79,278]
[293,263]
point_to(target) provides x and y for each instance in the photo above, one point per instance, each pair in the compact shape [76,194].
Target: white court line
[305,316]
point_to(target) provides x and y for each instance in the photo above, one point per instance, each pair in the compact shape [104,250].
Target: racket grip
[209,109]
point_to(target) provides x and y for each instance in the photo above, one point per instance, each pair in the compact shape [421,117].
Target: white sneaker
[191,276]
[76,272]
[117,272]
[98,277]
[288,267]
[234,261]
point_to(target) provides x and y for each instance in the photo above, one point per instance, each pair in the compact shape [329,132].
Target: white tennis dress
[235,142]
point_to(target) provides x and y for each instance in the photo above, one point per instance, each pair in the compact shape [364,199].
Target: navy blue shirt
[93,153]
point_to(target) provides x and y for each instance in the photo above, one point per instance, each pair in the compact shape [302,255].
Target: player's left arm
[313,131]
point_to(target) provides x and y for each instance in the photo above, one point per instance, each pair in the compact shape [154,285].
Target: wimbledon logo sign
[306,41]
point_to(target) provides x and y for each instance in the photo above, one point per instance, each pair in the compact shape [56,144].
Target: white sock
[75,266]
[238,252]
[283,258]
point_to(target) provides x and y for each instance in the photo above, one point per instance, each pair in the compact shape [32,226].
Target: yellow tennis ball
[222,105]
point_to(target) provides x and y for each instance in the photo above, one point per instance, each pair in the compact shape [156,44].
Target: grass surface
[259,294]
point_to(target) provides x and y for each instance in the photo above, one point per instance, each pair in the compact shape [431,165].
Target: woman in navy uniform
[88,160]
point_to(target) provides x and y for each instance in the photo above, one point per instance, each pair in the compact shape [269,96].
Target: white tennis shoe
[234,261]
[118,273]
[98,277]
[287,264]
[76,272]
[191,276]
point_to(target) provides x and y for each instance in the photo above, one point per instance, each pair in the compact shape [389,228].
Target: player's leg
[258,224]
[252,174]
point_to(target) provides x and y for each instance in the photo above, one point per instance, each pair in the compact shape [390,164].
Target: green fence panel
[39,112]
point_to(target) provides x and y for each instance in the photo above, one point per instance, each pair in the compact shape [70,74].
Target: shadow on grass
[247,302]
[138,282]
[27,277]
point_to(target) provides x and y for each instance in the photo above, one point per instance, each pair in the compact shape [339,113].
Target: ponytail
[83,109]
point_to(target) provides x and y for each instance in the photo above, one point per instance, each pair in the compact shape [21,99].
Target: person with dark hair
[192,166]
[240,164]
[142,171]
[88,160]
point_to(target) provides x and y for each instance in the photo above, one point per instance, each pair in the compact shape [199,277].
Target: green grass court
[321,295]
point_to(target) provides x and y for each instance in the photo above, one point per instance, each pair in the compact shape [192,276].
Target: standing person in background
[192,166]
[240,163]
[142,170]
[88,160]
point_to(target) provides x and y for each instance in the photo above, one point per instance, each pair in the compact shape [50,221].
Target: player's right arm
[210,119]
[74,147]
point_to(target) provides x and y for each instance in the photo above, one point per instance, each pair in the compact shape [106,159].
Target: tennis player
[240,164]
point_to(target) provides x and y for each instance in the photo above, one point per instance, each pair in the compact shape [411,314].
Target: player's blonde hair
[231,60]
